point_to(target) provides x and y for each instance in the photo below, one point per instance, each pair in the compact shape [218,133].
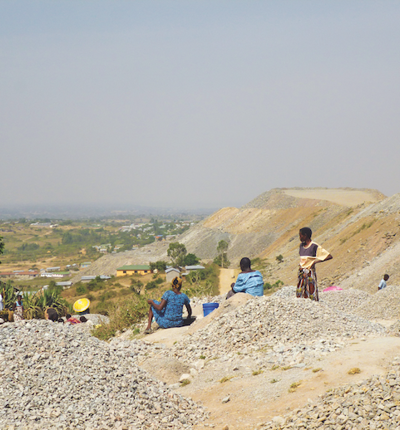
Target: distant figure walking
[248,281]
[18,309]
[310,254]
[382,284]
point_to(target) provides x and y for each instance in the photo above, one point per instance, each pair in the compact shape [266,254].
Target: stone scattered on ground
[370,404]
[54,376]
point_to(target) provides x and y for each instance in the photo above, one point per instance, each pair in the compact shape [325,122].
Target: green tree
[191,260]
[177,252]
[279,258]
[222,249]
[159,265]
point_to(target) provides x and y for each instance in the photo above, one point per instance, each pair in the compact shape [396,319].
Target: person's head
[385,277]
[177,283]
[52,314]
[68,316]
[305,234]
[245,264]
[83,319]
[19,297]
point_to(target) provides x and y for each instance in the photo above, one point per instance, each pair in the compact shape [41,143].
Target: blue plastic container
[209,307]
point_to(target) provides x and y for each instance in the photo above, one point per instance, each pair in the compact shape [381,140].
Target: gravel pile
[275,325]
[54,376]
[345,301]
[384,304]
[371,404]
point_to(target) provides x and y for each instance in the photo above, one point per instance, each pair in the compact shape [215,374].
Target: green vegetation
[257,372]
[222,258]
[81,240]
[191,260]
[275,285]
[160,266]
[203,282]
[129,311]
[279,258]
[294,386]
[34,304]
[177,252]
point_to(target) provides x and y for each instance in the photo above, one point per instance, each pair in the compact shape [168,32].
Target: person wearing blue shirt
[248,281]
[382,284]
[168,312]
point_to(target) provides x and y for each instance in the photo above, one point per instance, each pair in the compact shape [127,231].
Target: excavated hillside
[358,227]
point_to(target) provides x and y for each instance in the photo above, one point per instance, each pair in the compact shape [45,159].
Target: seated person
[71,319]
[168,312]
[249,281]
[51,314]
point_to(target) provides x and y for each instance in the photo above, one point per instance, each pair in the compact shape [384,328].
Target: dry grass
[318,369]
[185,382]
[294,386]
[354,371]
[225,379]
[258,372]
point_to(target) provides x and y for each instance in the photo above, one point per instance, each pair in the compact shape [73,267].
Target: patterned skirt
[307,286]
[18,314]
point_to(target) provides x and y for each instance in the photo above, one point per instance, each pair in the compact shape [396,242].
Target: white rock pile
[275,325]
[53,376]
[384,304]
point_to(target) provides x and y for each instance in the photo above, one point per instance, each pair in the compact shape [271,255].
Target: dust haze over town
[195,105]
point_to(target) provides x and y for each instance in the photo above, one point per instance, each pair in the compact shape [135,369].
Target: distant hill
[360,227]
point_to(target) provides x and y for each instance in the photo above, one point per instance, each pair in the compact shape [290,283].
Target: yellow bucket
[81,305]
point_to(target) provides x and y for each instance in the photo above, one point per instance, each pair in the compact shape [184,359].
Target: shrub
[81,289]
[122,315]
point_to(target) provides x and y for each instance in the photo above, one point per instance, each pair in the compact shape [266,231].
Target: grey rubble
[369,405]
[54,376]
[278,329]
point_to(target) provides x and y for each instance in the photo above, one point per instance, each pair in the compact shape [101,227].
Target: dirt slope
[359,228]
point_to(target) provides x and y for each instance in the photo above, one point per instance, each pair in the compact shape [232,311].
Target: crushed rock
[384,304]
[54,376]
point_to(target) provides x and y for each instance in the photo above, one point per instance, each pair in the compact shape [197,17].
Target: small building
[26,274]
[65,284]
[171,273]
[86,264]
[197,267]
[88,278]
[53,269]
[133,270]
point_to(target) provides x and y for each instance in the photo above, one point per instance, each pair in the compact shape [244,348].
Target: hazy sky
[196,103]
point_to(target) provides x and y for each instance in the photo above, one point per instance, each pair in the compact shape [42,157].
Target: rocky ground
[256,363]
[58,376]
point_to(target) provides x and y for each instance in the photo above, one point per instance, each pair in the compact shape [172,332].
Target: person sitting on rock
[51,314]
[382,284]
[72,320]
[248,281]
[168,312]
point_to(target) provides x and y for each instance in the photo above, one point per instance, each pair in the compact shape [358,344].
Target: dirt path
[254,399]
[226,277]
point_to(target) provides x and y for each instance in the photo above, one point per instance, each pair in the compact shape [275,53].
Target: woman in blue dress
[168,312]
